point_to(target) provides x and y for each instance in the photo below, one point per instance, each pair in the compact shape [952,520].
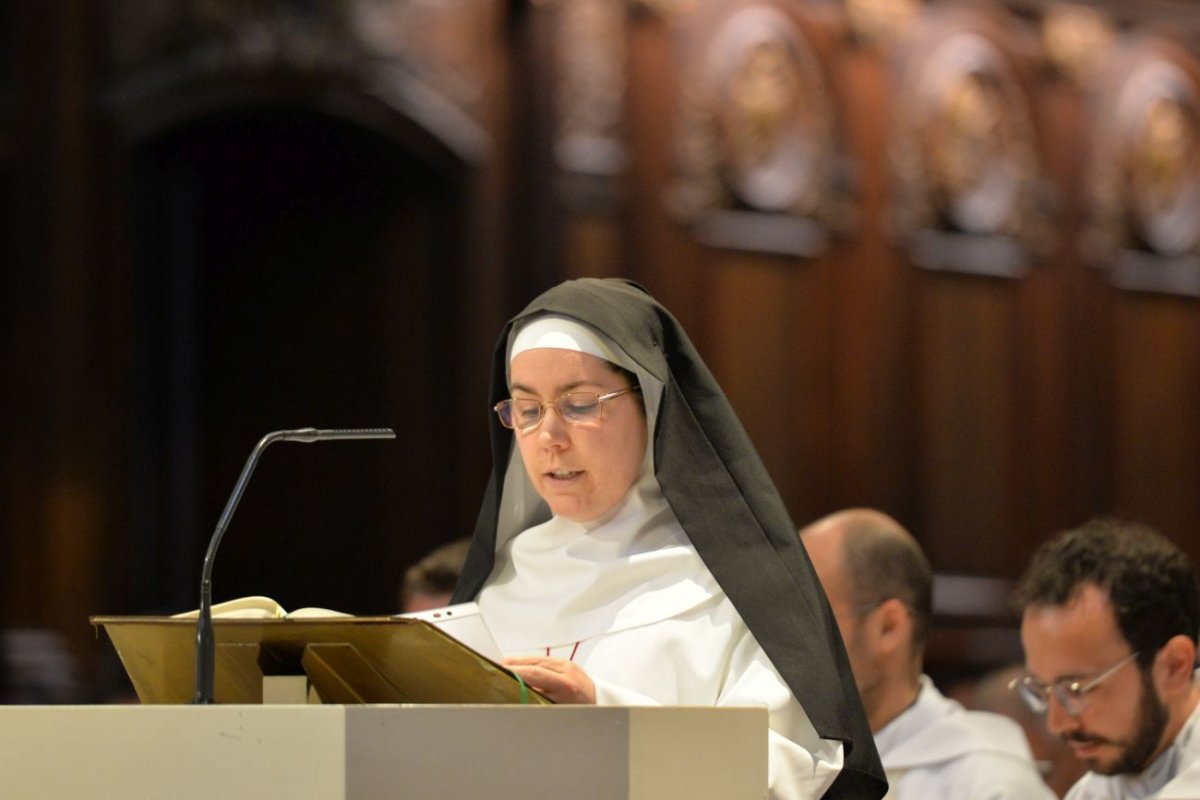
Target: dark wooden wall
[984,411]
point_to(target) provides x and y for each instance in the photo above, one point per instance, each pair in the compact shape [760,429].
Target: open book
[259,607]
[462,621]
[347,659]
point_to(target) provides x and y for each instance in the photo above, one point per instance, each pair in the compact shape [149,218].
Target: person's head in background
[1056,764]
[1110,613]
[880,587]
[430,582]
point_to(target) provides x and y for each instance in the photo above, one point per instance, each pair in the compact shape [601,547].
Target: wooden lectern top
[346,659]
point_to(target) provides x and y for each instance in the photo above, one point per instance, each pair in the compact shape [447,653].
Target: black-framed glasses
[525,413]
[1071,693]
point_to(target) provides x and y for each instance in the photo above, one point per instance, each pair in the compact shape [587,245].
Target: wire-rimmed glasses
[1071,693]
[526,413]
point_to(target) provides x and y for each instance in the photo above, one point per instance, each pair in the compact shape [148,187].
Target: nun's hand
[561,680]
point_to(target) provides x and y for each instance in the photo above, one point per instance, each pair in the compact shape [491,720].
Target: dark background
[219,219]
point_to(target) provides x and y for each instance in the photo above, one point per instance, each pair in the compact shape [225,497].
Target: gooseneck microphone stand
[205,644]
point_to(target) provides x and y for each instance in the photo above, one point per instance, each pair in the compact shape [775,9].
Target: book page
[251,607]
[259,607]
[312,611]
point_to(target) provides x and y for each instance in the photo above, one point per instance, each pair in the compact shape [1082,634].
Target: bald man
[881,589]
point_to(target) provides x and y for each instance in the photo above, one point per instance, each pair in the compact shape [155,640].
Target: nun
[632,550]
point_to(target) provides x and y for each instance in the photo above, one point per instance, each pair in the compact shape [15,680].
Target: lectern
[460,726]
[372,752]
[336,659]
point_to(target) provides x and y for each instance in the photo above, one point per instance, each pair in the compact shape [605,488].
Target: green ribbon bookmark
[524,690]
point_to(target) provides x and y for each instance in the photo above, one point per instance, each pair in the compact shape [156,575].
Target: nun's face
[582,470]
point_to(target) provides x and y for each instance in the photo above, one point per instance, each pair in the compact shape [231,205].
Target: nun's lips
[563,474]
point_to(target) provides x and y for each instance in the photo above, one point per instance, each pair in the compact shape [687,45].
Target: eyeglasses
[1070,693]
[525,413]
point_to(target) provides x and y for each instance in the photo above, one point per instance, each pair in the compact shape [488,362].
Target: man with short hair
[880,587]
[1110,614]
[1058,766]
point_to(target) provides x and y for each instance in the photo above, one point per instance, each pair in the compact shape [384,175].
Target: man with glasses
[1110,614]
[880,587]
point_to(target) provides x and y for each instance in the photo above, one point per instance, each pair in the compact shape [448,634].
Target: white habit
[937,749]
[694,588]
[630,602]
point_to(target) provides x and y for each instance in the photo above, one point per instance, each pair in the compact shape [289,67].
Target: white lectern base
[367,752]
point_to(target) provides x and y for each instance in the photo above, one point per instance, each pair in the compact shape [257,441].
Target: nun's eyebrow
[560,390]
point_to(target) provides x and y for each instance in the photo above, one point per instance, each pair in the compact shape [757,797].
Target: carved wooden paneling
[591,75]
[443,44]
[1143,189]
[590,70]
[658,252]
[969,199]
[874,352]
[984,412]
[969,193]
[1076,39]
[1154,377]
[237,217]
[373,61]
[968,349]
[879,23]
[763,315]
[1142,202]
[757,162]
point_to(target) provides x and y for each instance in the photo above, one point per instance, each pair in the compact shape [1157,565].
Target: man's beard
[1135,755]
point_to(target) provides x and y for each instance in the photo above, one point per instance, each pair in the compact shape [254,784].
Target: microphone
[205,643]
